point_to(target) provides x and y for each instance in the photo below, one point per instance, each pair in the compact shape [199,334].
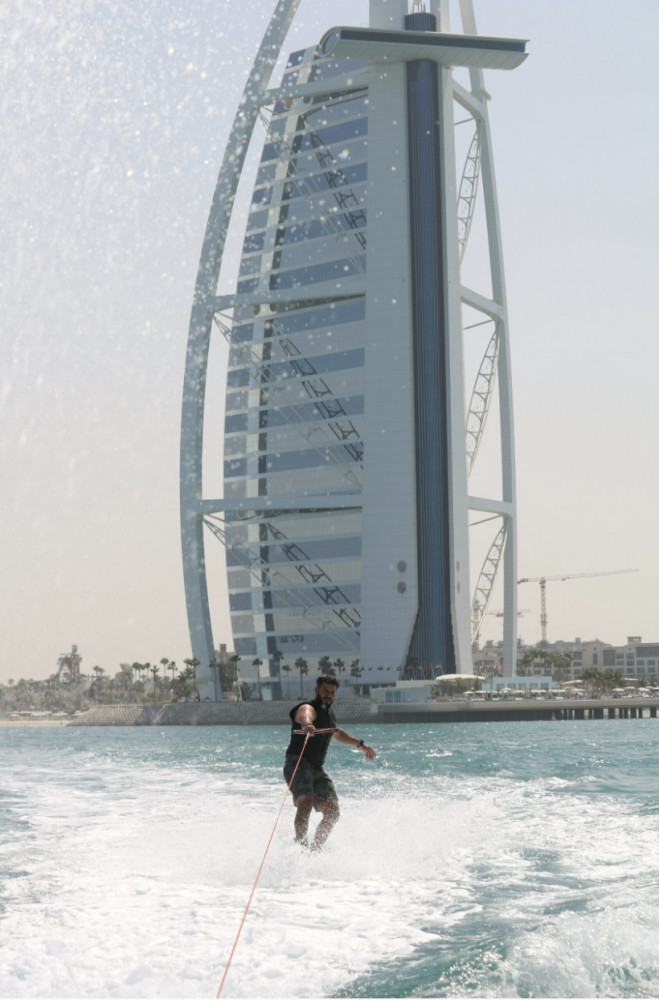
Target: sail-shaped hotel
[349,436]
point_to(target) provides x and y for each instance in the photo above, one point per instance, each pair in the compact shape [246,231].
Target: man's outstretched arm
[352,741]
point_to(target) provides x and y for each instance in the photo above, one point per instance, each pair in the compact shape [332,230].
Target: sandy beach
[64,721]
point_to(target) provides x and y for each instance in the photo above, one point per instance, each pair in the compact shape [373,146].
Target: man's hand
[369,751]
[305,718]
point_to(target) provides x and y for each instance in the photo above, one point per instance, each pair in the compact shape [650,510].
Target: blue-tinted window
[257,220]
[253,242]
[328,112]
[350,152]
[329,134]
[237,378]
[270,152]
[245,647]
[266,174]
[235,467]
[304,276]
[341,132]
[324,251]
[328,594]
[262,196]
[347,311]
[250,265]
[323,548]
[248,285]
[317,365]
[235,422]
[299,232]
[336,176]
[278,126]
[324,69]
[240,602]
[242,332]
[236,400]
[311,458]
[294,59]
[331,643]
[298,321]
[335,407]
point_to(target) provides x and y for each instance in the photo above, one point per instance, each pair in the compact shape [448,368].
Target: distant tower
[68,666]
[348,441]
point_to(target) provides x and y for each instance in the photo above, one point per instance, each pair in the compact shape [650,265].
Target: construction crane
[544,580]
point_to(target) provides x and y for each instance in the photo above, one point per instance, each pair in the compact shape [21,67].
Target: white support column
[507,436]
[459,533]
[440,8]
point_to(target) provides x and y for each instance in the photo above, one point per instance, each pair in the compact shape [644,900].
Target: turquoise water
[496,859]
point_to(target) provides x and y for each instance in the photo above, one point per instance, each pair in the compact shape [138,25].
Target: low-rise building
[636,659]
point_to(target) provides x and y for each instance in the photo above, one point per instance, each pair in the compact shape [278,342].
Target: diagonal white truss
[297,599]
[495,364]
[481,397]
[260,373]
[468,192]
[486,581]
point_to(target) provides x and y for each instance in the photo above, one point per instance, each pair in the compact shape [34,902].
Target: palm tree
[183,685]
[303,667]
[561,663]
[154,671]
[286,667]
[125,681]
[340,665]
[325,665]
[193,663]
[356,671]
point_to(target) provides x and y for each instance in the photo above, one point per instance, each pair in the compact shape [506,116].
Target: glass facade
[295,398]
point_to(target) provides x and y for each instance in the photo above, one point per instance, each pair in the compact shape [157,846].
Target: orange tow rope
[258,874]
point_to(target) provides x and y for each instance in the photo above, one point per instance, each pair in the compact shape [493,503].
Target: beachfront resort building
[355,322]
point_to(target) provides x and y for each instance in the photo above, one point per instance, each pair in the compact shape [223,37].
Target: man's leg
[304,805]
[331,813]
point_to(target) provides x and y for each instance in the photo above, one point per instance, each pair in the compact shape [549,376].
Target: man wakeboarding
[312,788]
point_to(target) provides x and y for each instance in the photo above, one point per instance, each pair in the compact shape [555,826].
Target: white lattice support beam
[486,579]
[504,376]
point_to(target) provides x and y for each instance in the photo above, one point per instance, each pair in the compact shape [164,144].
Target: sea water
[475,860]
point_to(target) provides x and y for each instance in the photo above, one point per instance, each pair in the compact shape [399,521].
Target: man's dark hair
[327,679]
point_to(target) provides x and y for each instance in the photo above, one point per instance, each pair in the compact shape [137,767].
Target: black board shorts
[309,780]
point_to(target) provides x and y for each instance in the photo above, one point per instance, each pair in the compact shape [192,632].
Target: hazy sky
[114,117]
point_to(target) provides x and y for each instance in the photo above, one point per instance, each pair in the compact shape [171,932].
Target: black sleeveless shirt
[317,746]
